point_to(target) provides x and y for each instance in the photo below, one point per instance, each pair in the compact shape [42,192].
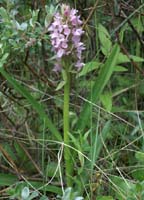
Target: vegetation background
[106,103]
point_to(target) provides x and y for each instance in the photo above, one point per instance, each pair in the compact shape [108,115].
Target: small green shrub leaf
[140,156]
[90,66]
[25,193]
[119,68]
[3,59]
[106,100]
[104,198]
[4,14]
[124,58]
[104,40]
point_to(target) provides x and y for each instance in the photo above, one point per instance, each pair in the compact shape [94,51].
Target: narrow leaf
[106,100]
[104,40]
[98,86]
[124,58]
[90,66]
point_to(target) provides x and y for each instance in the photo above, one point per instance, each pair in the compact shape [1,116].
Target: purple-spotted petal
[54,35]
[67,31]
[60,53]
[79,64]
[64,45]
[75,39]
[77,32]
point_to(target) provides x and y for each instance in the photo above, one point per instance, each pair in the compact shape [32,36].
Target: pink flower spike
[65,34]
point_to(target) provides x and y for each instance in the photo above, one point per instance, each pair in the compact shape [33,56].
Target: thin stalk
[43,155]
[67,156]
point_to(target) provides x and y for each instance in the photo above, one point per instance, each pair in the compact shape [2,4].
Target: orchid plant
[65,33]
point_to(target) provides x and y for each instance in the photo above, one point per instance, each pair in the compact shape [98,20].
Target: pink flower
[75,39]
[64,45]
[60,52]
[66,32]
[73,12]
[77,31]
[66,10]
[54,35]
[57,67]
[79,64]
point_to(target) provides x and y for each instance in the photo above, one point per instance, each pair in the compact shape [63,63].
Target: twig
[133,28]
[126,20]
[125,51]
[91,13]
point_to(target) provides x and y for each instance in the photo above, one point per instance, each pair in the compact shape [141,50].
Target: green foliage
[7,179]
[98,86]
[70,195]
[104,40]
[33,102]
[106,100]
[106,104]
[89,67]
[129,190]
[104,198]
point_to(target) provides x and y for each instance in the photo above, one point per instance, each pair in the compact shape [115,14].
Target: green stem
[67,156]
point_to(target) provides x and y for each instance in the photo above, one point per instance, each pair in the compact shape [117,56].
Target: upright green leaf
[96,149]
[105,41]
[122,58]
[98,86]
[106,100]
[4,14]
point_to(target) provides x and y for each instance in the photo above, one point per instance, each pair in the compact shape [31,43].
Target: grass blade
[98,145]
[10,179]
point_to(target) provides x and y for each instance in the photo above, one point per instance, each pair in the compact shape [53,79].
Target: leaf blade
[98,86]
